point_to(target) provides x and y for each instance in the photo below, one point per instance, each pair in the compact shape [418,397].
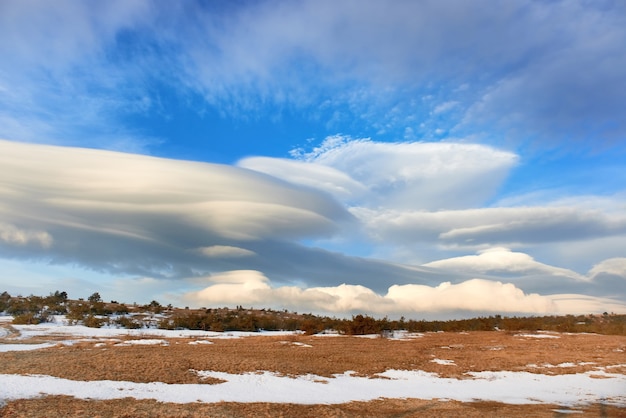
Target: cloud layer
[251,235]
[92,207]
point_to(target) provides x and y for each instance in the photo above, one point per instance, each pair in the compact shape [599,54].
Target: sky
[426,159]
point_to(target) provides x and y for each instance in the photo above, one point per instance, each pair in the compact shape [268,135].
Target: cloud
[525,87]
[12,235]
[59,79]
[476,228]
[132,215]
[407,175]
[615,266]
[325,178]
[471,295]
[413,68]
[502,260]
[605,279]
[550,97]
[112,211]
[226,251]
[252,288]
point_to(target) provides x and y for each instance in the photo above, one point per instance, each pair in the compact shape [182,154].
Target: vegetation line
[94,312]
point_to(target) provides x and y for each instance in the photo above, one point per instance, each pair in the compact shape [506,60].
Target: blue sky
[424,159]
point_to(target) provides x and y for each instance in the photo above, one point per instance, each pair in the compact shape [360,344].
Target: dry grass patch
[125,408]
[300,355]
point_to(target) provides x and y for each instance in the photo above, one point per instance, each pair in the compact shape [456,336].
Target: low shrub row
[96,313]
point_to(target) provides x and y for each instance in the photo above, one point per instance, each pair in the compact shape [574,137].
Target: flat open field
[276,365]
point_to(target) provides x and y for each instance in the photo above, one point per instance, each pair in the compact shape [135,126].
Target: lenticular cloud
[412,175]
[135,214]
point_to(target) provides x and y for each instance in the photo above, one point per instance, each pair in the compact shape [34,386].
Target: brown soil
[100,359]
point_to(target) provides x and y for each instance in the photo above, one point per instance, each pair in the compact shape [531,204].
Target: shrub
[93,321]
[31,318]
[128,323]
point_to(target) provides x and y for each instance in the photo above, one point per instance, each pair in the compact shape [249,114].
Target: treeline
[94,312]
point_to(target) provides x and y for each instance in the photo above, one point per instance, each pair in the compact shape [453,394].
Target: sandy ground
[170,360]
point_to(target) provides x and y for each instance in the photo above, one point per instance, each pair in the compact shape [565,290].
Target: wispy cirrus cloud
[433,69]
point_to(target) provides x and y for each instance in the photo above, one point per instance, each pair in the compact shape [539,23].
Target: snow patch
[537,336]
[60,327]
[443,362]
[4,348]
[264,386]
[296,343]
[142,342]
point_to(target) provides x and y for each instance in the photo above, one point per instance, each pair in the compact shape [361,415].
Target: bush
[128,323]
[31,318]
[93,321]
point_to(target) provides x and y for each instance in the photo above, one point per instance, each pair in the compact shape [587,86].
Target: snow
[443,362]
[297,343]
[60,327]
[567,411]
[537,336]
[4,348]
[3,332]
[142,342]
[564,365]
[199,342]
[264,386]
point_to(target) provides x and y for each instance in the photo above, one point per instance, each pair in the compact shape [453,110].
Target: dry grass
[396,408]
[474,351]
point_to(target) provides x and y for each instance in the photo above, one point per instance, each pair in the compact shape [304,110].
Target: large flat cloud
[505,226]
[111,209]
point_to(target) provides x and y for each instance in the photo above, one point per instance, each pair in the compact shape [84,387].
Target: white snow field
[599,385]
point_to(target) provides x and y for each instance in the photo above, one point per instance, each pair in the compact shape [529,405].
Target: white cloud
[318,176]
[106,209]
[476,228]
[233,287]
[501,260]
[12,235]
[414,175]
[470,296]
[615,266]
[445,107]
[583,304]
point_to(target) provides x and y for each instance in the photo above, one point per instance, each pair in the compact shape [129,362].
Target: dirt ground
[104,359]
